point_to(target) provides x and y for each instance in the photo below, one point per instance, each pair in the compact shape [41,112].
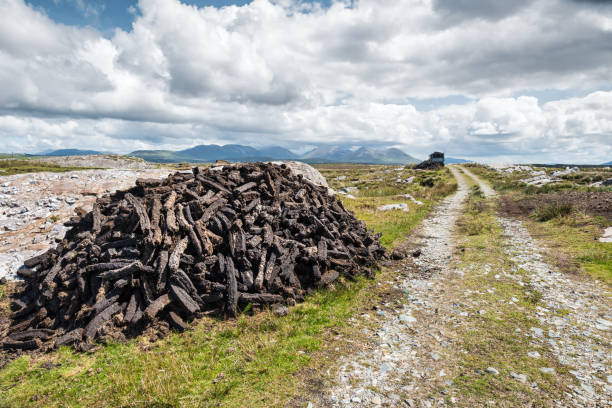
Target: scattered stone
[280,310]
[537,331]
[411,198]
[534,354]
[492,370]
[521,377]
[607,235]
[547,370]
[568,170]
[603,324]
[587,388]
[399,206]
[408,319]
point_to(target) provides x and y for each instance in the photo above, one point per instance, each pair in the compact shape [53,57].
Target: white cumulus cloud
[294,73]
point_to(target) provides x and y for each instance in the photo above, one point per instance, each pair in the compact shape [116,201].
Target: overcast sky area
[490,80]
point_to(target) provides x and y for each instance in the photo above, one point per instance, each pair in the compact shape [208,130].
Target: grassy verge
[20,166]
[251,361]
[573,244]
[500,312]
[254,361]
[378,185]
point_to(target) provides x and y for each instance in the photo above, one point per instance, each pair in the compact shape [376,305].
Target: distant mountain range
[210,153]
[326,154]
[235,152]
[607,164]
[342,154]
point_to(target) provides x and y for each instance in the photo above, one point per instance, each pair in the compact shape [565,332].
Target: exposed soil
[591,203]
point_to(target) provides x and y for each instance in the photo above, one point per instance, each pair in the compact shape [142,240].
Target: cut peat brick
[167,251]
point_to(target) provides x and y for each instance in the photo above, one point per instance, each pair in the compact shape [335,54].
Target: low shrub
[476,192]
[554,210]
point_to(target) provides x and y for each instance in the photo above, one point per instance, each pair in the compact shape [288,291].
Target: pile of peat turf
[168,251]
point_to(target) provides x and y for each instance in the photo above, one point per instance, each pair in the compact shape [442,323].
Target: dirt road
[490,324]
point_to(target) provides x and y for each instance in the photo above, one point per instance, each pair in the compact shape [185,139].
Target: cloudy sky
[521,80]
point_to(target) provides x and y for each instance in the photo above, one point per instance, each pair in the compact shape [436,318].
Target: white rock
[308,172]
[399,206]
[567,171]
[407,318]
[537,331]
[547,370]
[492,370]
[411,198]
[607,235]
[521,377]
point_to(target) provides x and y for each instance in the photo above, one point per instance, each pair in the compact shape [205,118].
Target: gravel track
[402,346]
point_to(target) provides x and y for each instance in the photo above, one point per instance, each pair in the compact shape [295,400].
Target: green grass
[246,362]
[574,245]
[19,166]
[553,210]
[393,224]
[474,220]
[258,361]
